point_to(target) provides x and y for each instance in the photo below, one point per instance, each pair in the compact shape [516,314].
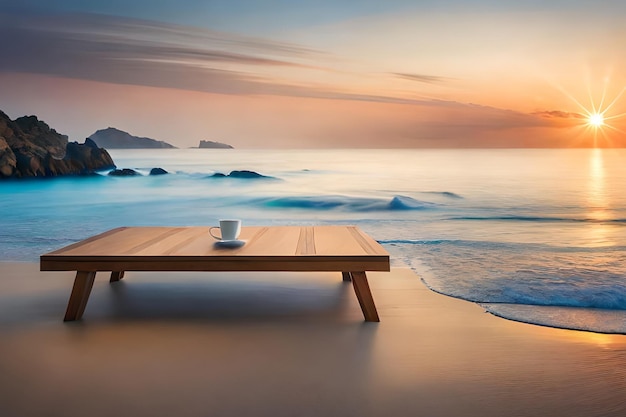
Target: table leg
[80,295]
[346,276]
[116,276]
[363,294]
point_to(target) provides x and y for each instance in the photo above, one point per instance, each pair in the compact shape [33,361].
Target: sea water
[532,235]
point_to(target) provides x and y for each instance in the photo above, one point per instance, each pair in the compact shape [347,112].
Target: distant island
[112,138]
[205,144]
[30,148]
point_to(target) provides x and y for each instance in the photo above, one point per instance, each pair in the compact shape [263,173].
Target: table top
[266,248]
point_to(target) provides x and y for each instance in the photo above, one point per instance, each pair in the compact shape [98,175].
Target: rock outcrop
[126,172]
[209,144]
[245,174]
[30,148]
[158,171]
[8,161]
[112,138]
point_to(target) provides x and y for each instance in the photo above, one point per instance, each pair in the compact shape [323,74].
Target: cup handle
[211,233]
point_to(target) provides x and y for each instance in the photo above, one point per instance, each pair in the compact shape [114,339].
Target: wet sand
[287,344]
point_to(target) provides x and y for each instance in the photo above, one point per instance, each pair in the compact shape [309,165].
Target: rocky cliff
[29,148]
[215,145]
[112,138]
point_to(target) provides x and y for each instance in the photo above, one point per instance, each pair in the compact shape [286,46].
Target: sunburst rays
[597,118]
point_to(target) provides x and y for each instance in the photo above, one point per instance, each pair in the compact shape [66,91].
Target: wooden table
[344,249]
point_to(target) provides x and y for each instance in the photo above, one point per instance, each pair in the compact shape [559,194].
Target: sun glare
[596,119]
[599,118]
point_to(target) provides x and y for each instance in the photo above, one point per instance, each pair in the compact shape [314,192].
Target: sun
[598,119]
[595,119]
[600,123]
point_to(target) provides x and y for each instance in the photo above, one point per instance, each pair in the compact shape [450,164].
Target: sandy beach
[287,344]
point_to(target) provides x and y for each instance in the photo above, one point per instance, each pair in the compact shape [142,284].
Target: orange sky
[393,78]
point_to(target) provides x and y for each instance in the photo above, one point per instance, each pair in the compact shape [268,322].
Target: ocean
[534,235]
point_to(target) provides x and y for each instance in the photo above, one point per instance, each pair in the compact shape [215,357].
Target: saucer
[235,243]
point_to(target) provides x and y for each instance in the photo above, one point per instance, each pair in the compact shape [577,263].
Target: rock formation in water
[207,144]
[30,148]
[112,138]
[240,174]
[126,172]
[158,171]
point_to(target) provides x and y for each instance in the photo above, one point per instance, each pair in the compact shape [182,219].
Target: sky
[310,74]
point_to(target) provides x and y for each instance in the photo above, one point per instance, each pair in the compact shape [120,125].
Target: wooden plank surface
[124,242]
[84,242]
[367,243]
[276,241]
[306,242]
[334,240]
[192,248]
[171,243]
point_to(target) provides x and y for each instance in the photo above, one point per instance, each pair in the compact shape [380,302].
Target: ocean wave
[496,246]
[362,204]
[537,219]
[607,297]
[573,318]
[529,274]
[448,194]
[26,238]
[570,291]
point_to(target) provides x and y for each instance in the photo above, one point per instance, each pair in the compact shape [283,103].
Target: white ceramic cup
[229,229]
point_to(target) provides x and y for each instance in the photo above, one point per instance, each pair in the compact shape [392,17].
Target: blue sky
[267,16]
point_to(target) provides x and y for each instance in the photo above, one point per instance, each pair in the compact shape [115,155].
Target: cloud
[95,27]
[138,52]
[429,79]
[113,49]
[558,114]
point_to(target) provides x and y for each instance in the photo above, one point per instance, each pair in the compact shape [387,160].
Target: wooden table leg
[346,276]
[80,295]
[116,276]
[363,294]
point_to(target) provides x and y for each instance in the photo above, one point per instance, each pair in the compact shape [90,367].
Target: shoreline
[231,344]
[487,307]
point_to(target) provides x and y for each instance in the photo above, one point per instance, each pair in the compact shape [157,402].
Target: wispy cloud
[558,114]
[429,79]
[95,27]
[116,49]
[139,52]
